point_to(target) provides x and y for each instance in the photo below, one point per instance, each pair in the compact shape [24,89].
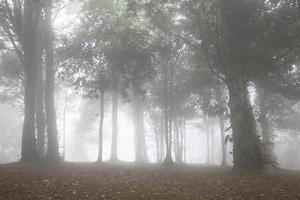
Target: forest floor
[128,182]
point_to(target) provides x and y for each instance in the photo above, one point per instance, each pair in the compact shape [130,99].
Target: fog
[189,86]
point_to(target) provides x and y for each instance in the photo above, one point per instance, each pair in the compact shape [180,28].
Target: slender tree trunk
[100,145]
[212,133]
[64,125]
[161,137]
[247,151]
[114,146]
[40,113]
[221,124]
[52,133]
[143,136]
[181,140]
[184,141]
[263,120]
[156,128]
[168,158]
[207,141]
[138,129]
[223,145]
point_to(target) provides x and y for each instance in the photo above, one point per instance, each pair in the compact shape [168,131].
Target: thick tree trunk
[100,145]
[247,150]
[28,151]
[114,141]
[40,112]
[30,45]
[52,133]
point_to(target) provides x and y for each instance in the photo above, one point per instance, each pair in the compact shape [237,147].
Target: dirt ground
[130,182]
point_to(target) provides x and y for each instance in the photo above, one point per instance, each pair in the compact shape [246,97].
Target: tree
[52,133]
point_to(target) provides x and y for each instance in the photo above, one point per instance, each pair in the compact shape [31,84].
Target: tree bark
[223,145]
[114,142]
[30,44]
[52,133]
[100,145]
[168,158]
[207,141]
[212,133]
[247,151]
[263,120]
[40,112]
[138,116]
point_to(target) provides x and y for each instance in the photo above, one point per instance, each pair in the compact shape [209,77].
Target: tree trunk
[138,116]
[223,145]
[207,141]
[100,145]
[212,133]
[184,143]
[247,151]
[161,137]
[168,158]
[40,113]
[30,45]
[114,142]
[221,123]
[263,120]
[28,151]
[64,124]
[52,133]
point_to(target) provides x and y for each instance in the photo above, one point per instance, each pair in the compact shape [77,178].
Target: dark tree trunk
[31,48]
[40,112]
[114,141]
[52,133]
[100,145]
[28,151]
[247,151]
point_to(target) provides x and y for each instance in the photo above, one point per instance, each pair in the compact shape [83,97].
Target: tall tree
[52,132]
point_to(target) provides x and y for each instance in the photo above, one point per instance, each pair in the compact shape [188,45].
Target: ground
[129,182]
